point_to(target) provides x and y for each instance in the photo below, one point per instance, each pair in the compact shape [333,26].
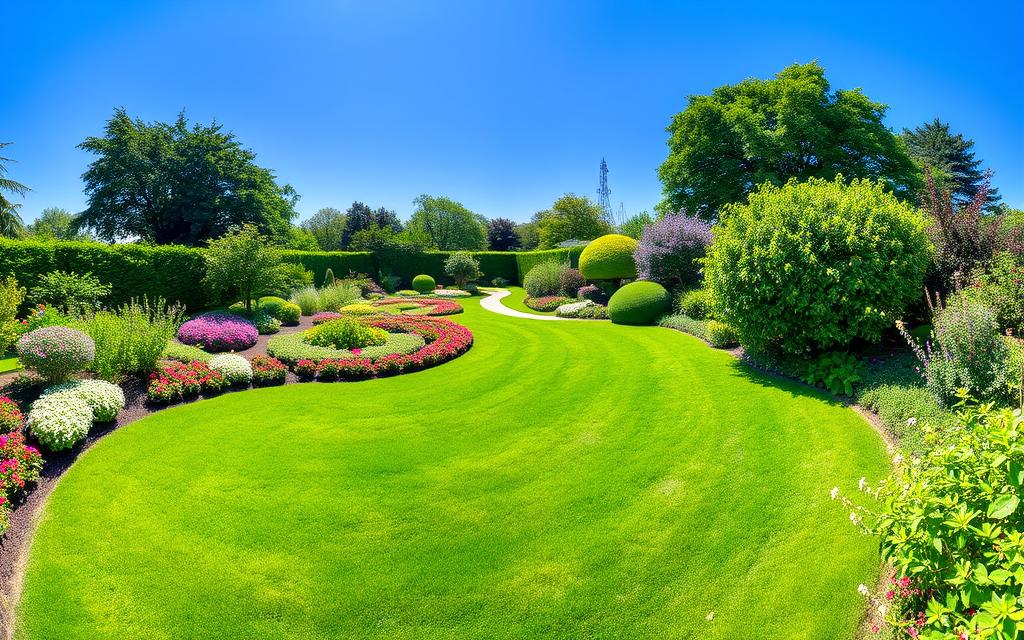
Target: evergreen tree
[951,159]
[10,222]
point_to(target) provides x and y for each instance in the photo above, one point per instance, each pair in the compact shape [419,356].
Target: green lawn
[9,363]
[561,480]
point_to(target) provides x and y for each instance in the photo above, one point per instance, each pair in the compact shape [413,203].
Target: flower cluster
[451,293]
[219,332]
[267,370]
[325,316]
[20,464]
[56,353]
[349,369]
[59,421]
[11,417]
[359,309]
[584,309]
[422,306]
[345,333]
[179,380]
[668,249]
[104,398]
[547,303]
[234,368]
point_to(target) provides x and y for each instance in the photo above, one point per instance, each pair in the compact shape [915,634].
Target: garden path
[493,303]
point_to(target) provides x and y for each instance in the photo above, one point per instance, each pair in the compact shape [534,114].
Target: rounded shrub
[219,332]
[641,302]
[59,421]
[289,314]
[345,333]
[423,283]
[570,282]
[104,398]
[695,304]
[817,264]
[234,368]
[544,279]
[609,257]
[56,353]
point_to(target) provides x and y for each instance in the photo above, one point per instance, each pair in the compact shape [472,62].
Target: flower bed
[267,371]
[178,380]
[219,332]
[585,309]
[292,347]
[325,316]
[547,303]
[11,417]
[20,464]
[419,306]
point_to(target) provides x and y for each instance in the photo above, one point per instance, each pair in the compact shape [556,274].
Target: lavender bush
[219,332]
[56,353]
[669,247]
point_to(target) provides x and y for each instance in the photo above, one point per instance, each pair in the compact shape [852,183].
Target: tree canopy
[723,145]
[571,217]
[501,235]
[10,222]
[447,225]
[176,183]
[242,261]
[58,224]
[360,217]
[951,160]
[328,227]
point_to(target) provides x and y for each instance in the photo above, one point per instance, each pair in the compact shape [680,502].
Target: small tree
[462,267]
[501,235]
[242,260]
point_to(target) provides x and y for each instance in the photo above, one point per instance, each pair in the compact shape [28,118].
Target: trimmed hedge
[493,264]
[339,262]
[527,260]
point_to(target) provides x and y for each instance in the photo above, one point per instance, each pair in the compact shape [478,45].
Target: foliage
[725,145]
[328,228]
[307,299]
[11,417]
[59,421]
[634,225]
[218,331]
[721,335]
[185,353]
[293,347]
[951,158]
[462,267]
[585,309]
[268,371]
[11,297]
[669,250]
[609,257]
[570,282]
[55,353]
[345,333]
[266,324]
[172,183]
[951,524]
[545,279]
[572,217]
[360,217]
[1000,286]
[10,222]
[55,223]
[528,234]
[447,225]
[180,380]
[234,368]
[131,338]
[501,235]
[838,371]
[287,312]
[70,292]
[695,303]
[104,398]
[423,283]
[242,261]
[640,302]
[681,322]
[292,276]
[527,260]
[547,303]
[815,265]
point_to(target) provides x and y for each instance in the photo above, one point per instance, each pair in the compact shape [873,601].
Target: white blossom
[834,493]
[863,590]
[862,483]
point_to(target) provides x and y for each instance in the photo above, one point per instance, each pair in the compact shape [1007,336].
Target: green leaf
[1003,506]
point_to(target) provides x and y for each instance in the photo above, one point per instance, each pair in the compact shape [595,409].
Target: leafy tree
[71,292]
[391,249]
[446,224]
[58,224]
[634,225]
[242,261]
[722,146]
[360,217]
[10,222]
[572,217]
[528,234]
[462,267]
[328,227]
[501,235]
[951,160]
[172,183]
[299,239]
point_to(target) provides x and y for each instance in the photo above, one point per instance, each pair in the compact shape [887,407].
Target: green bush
[11,297]
[838,371]
[131,338]
[721,335]
[462,267]
[185,353]
[686,324]
[695,304]
[815,265]
[527,260]
[345,333]
[70,291]
[1001,288]
[424,283]
[545,279]
[639,302]
[609,257]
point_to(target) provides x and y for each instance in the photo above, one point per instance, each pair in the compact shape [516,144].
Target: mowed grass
[515,301]
[9,363]
[560,480]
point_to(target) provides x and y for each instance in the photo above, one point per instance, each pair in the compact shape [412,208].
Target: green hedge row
[175,273]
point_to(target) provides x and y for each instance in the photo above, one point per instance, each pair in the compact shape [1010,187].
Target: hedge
[493,264]
[526,260]
[339,262]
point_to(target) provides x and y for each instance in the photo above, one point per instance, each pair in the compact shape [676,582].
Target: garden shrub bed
[424,306]
[292,347]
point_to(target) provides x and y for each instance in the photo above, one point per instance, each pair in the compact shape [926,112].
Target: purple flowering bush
[669,247]
[56,353]
[219,332]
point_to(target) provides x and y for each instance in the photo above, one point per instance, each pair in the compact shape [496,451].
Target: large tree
[951,160]
[572,217]
[176,183]
[10,222]
[447,225]
[360,217]
[58,224]
[501,235]
[328,227]
[725,144]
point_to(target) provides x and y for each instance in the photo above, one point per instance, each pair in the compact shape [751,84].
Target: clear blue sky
[501,105]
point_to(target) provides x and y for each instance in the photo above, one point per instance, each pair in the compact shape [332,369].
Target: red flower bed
[178,380]
[19,465]
[436,306]
[11,417]
[267,370]
[325,316]
[547,303]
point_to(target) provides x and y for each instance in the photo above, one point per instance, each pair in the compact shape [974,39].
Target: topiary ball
[423,283]
[56,353]
[639,302]
[609,257]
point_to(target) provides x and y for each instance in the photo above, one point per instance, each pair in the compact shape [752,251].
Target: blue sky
[501,105]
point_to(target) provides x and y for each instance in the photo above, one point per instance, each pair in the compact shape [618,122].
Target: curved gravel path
[493,303]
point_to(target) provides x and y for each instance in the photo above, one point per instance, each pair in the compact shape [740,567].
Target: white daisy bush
[105,399]
[59,421]
[234,368]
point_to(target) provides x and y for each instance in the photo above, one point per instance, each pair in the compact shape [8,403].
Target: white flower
[863,590]
[834,493]
[883,609]
[710,616]
[897,460]
[854,518]
[104,398]
[234,368]
[911,422]
[863,482]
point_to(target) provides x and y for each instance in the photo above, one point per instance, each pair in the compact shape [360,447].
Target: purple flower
[219,332]
[669,247]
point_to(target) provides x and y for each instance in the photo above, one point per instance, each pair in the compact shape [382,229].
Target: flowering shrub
[344,333]
[179,380]
[306,368]
[584,309]
[546,303]
[358,309]
[219,332]
[56,353]
[267,371]
[669,249]
[104,398]
[419,306]
[325,316]
[20,464]
[351,369]
[570,281]
[234,368]
[593,293]
[59,421]
[952,525]
[11,417]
